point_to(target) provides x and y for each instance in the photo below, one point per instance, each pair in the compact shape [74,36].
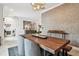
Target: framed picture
[7,25]
[29,25]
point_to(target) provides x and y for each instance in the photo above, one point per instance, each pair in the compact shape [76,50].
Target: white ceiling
[26,6]
[24,10]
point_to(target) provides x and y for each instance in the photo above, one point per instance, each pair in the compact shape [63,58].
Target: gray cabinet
[27,47]
[13,51]
[21,50]
[31,48]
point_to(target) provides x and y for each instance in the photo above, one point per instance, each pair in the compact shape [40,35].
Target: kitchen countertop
[52,43]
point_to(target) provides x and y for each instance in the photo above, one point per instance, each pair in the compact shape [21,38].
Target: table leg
[57,53]
[44,52]
[64,52]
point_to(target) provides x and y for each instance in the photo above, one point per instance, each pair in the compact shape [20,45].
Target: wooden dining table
[51,44]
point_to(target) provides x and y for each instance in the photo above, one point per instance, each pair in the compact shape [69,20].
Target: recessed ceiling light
[5,7]
[11,9]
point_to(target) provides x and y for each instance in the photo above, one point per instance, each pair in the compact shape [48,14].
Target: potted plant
[39,29]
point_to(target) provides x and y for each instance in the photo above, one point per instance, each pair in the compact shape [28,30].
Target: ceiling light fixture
[38,6]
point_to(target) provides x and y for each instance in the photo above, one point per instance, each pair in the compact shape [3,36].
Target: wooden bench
[66,49]
[63,33]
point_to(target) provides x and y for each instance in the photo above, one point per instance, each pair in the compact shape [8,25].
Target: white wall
[17,23]
[11,21]
[1,22]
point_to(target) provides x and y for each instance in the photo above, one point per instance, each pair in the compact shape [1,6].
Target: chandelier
[37,6]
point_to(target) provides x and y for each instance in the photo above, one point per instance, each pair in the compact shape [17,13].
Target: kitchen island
[50,44]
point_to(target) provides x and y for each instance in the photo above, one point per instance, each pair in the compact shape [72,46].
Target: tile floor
[9,42]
